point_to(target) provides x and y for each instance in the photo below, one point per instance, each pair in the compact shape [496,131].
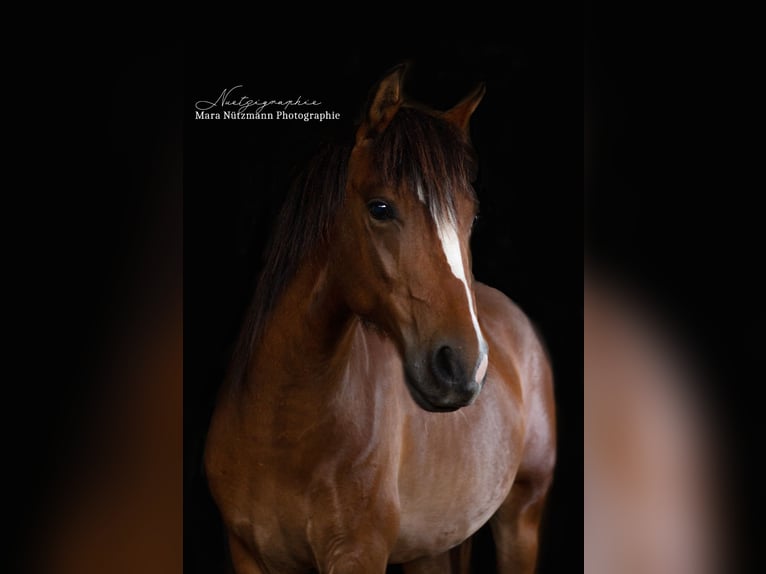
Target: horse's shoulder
[496,309]
[509,329]
[515,342]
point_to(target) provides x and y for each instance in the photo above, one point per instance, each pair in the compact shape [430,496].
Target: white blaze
[447,231]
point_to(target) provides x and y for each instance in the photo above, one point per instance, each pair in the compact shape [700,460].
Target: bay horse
[382,404]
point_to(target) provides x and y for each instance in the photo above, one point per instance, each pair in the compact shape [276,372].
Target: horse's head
[403,242]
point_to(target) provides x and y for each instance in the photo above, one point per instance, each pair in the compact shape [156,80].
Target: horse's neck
[307,340]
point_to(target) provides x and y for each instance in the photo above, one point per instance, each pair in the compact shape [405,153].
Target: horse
[382,405]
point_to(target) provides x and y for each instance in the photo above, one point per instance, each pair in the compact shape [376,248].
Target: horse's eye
[380,210]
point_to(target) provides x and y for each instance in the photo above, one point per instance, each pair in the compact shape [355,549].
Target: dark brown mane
[417,149]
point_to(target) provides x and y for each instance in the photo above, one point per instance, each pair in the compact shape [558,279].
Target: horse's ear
[385,100]
[460,115]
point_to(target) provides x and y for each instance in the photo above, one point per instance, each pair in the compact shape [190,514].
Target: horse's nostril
[446,364]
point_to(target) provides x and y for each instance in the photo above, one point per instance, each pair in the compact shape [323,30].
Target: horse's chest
[439,514]
[450,487]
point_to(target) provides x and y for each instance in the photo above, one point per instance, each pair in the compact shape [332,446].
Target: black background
[528,242]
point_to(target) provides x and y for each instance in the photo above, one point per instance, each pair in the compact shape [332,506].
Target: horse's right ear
[384,102]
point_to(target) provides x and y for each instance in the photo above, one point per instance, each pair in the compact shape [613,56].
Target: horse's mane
[417,150]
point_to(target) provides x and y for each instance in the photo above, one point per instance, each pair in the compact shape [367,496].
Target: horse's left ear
[386,99]
[460,115]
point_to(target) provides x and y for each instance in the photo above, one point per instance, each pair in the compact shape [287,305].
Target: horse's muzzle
[445,382]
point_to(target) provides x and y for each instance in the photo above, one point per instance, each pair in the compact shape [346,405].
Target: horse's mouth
[424,402]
